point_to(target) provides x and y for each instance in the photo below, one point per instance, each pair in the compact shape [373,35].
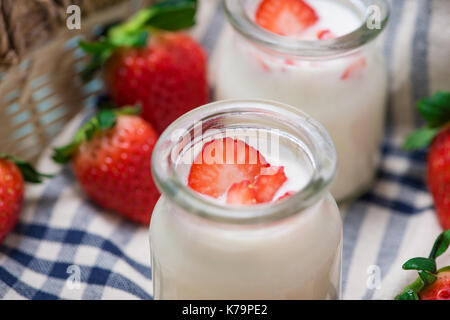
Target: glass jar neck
[374,18]
[204,123]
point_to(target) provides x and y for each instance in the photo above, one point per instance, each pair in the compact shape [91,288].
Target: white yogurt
[294,259]
[351,109]
[334,16]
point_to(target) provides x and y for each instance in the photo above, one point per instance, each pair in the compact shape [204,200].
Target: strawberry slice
[286,195]
[242,193]
[268,183]
[285,17]
[325,34]
[355,69]
[263,65]
[223,162]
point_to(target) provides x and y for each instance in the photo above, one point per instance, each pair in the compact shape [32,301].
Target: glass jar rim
[321,149]
[239,19]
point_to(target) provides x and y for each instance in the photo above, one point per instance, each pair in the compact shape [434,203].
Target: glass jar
[203,249]
[341,82]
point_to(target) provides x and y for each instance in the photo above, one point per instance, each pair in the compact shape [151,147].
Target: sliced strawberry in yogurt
[285,17]
[286,195]
[242,193]
[325,34]
[223,162]
[262,190]
[232,167]
[355,69]
[268,183]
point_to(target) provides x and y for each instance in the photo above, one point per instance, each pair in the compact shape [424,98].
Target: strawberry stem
[29,173]
[426,268]
[440,245]
[169,15]
[436,112]
[103,120]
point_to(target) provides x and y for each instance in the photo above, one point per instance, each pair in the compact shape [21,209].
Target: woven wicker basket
[41,93]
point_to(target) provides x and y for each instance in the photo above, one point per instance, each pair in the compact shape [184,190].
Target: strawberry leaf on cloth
[436,112]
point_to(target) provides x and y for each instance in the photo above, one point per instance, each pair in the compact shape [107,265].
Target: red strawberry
[223,162]
[263,190]
[289,62]
[325,34]
[438,176]
[163,72]
[438,290]
[13,173]
[431,284]
[263,65]
[242,193]
[285,17]
[11,196]
[355,69]
[167,78]
[286,195]
[268,183]
[436,112]
[112,163]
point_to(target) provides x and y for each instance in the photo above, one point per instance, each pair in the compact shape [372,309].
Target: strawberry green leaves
[408,295]
[172,15]
[411,291]
[425,264]
[168,15]
[436,112]
[106,119]
[29,173]
[436,109]
[103,49]
[103,120]
[100,51]
[426,268]
[440,245]
[420,139]
[427,277]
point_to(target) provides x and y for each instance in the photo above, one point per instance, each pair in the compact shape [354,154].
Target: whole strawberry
[146,64]
[13,173]
[439,289]
[432,284]
[111,156]
[436,133]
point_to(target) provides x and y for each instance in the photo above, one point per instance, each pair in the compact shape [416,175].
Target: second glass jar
[341,82]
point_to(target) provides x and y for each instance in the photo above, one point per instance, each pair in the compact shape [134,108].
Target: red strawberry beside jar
[13,174]
[431,284]
[111,156]
[436,134]
[145,62]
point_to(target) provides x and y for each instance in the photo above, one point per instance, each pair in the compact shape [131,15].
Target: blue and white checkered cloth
[66,248]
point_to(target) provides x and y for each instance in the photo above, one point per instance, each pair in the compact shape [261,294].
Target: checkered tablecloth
[62,238]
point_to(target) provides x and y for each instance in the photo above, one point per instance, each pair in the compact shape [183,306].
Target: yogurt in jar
[345,90]
[204,248]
